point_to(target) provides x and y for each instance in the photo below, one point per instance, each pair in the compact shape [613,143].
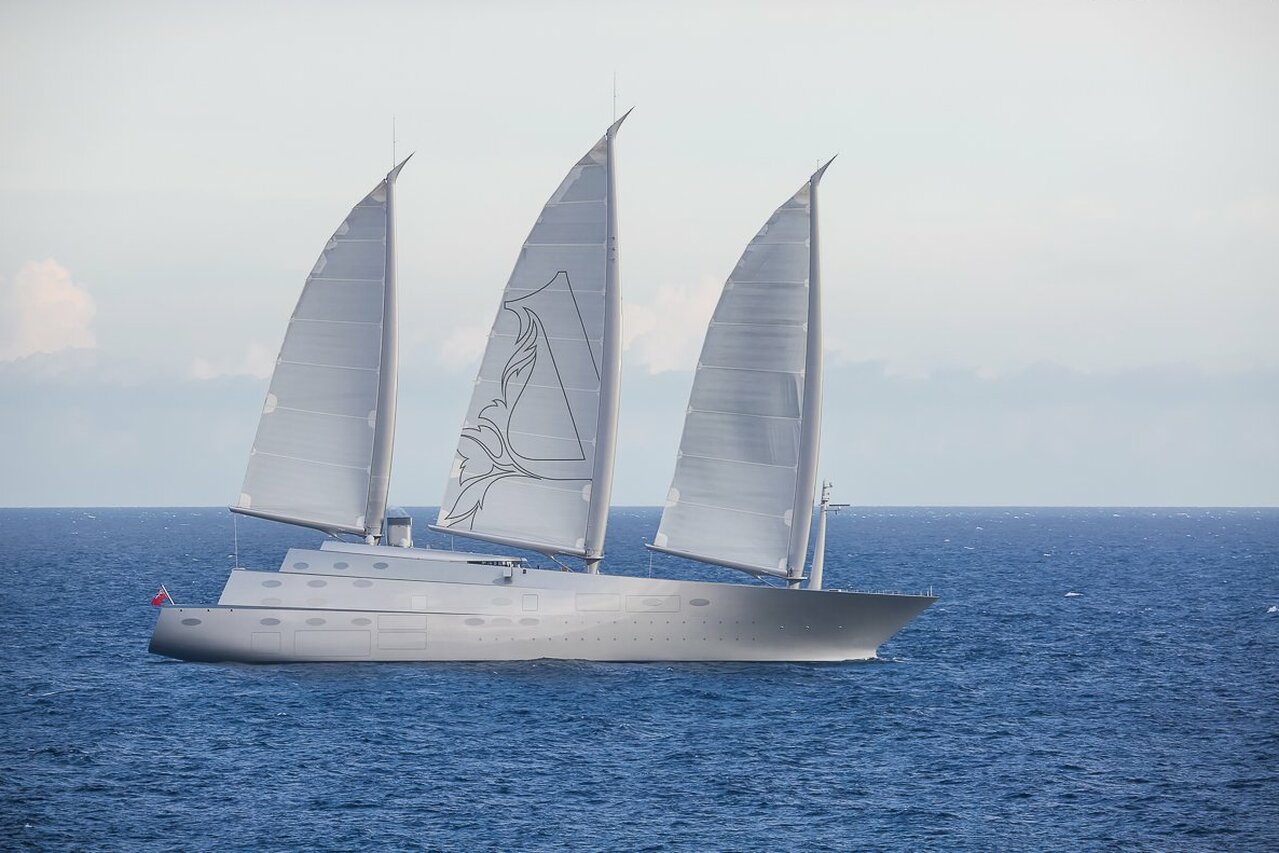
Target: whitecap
[1073,594]
[1274,608]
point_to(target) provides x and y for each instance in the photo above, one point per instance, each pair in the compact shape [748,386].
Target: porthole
[360,620]
[317,583]
[271,602]
[271,583]
[269,621]
[381,565]
[315,620]
[363,584]
[528,621]
[191,621]
[699,602]
[341,565]
[301,565]
[473,621]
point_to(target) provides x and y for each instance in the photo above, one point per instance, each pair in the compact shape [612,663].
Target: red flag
[161,597]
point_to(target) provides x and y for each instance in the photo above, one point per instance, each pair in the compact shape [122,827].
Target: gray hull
[330,606]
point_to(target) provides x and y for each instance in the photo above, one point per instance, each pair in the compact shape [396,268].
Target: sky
[1050,240]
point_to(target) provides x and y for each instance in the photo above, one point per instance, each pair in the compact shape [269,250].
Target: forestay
[322,454]
[534,460]
[745,473]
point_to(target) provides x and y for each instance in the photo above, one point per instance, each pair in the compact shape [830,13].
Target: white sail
[745,474]
[322,454]
[534,460]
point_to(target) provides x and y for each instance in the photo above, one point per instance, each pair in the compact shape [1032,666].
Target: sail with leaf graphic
[534,461]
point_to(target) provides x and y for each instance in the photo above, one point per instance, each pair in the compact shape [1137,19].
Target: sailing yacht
[533,468]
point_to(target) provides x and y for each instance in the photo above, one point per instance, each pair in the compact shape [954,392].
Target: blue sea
[1090,679]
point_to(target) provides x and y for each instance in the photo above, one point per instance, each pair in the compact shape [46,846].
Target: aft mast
[811,414]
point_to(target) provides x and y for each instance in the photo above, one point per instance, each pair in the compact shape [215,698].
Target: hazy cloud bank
[79,431]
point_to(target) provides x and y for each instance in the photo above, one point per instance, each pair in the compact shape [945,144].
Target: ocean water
[1091,678]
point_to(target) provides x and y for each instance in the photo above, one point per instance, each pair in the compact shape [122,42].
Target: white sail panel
[312,455]
[527,453]
[732,497]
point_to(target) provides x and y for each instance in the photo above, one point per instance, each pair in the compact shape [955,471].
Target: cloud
[257,361]
[662,335]
[44,311]
[667,334]
[464,346]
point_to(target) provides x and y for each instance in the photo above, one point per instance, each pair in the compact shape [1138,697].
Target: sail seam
[553,437]
[737,461]
[322,414]
[344,322]
[563,245]
[309,461]
[547,337]
[345,280]
[683,502]
[765,281]
[527,290]
[743,414]
[552,485]
[750,369]
[546,387]
[715,322]
[334,366]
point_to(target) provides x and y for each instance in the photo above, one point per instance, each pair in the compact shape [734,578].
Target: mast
[388,380]
[610,375]
[819,546]
[811,416]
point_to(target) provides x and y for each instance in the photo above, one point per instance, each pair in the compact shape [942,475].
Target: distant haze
[1050,242]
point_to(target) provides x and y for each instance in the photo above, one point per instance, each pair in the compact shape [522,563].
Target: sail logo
[533,428]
